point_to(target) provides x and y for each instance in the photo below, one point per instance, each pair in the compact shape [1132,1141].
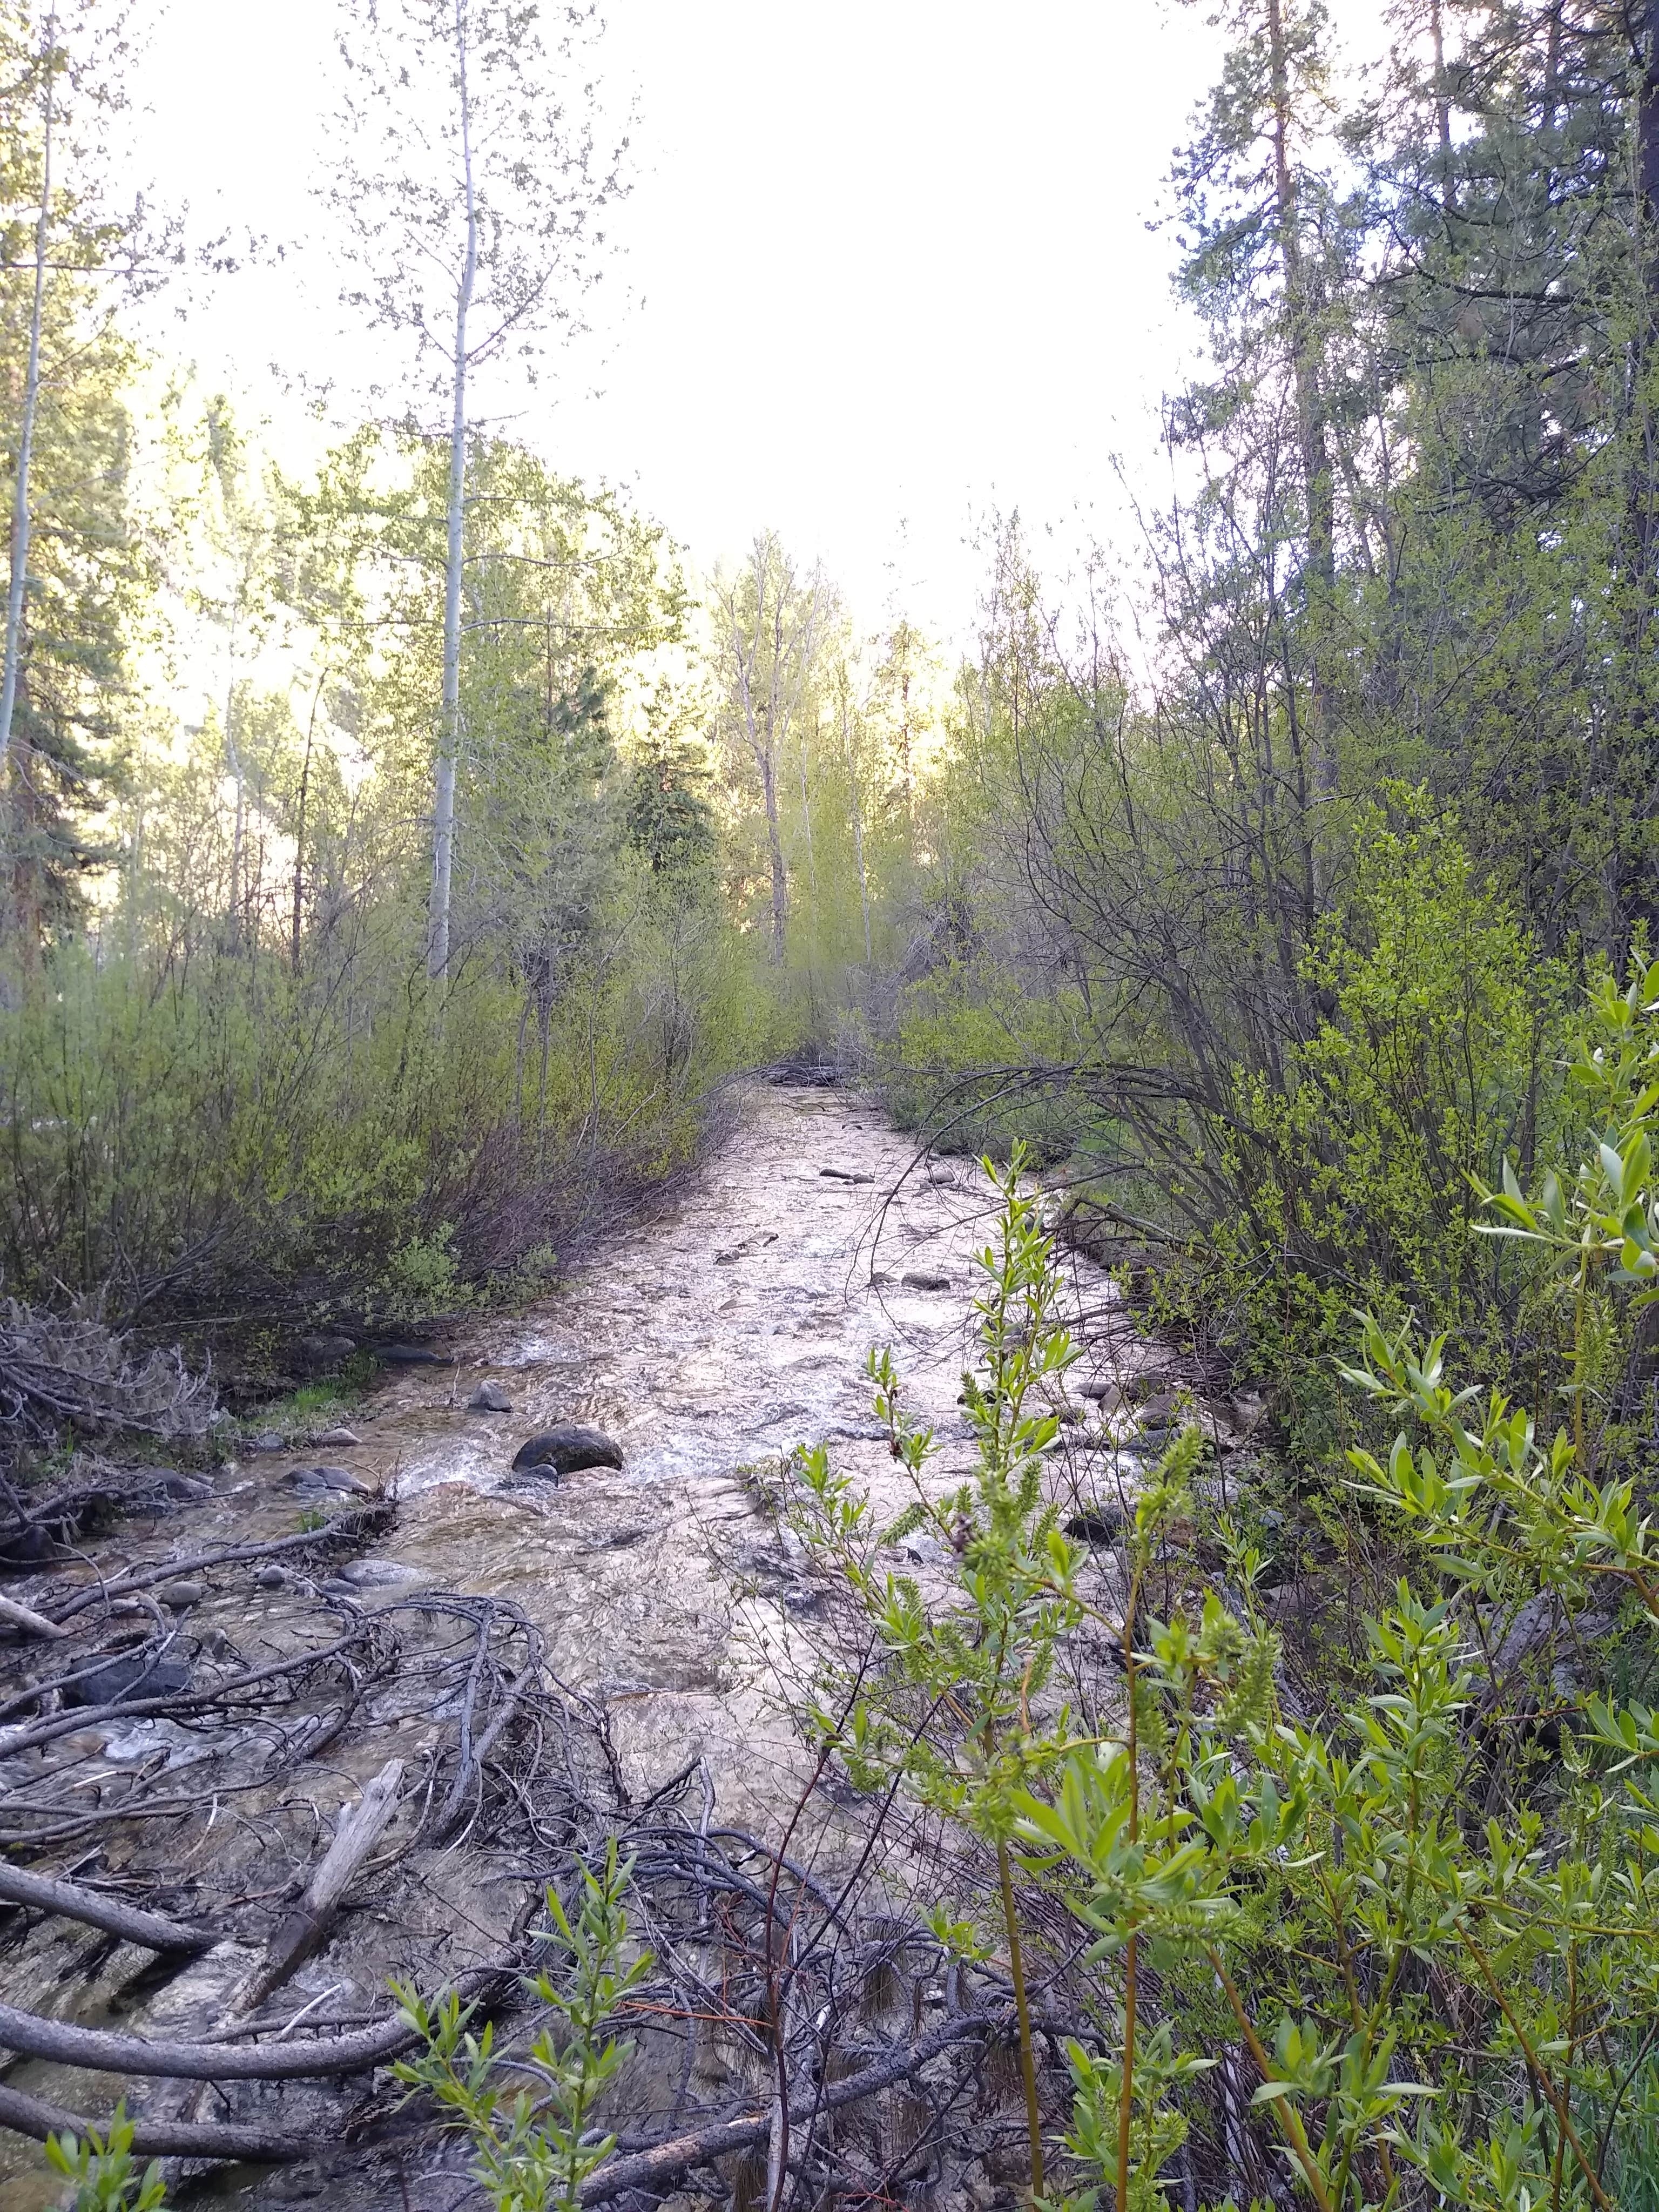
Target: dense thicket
[1274,947]
[400,850]
[1270,944]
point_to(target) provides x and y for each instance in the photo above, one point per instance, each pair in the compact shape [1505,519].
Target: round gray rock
[566,1451]
[316,1481]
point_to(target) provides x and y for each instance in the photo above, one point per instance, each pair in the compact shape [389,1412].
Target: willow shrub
[1426,1905]
[224,1137]
[1347,1174]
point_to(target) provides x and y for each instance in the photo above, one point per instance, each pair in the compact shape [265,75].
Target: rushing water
[733,1325]
[729,1327]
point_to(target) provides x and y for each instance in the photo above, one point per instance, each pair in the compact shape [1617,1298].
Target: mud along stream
[712,1338]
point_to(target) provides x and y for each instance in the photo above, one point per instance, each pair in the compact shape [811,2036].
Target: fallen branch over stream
[144,2058]
[244,1791]
[677,2154]
[93,1910]
[34,2118]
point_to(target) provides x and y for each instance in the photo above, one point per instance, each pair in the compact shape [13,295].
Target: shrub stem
[1027,2058]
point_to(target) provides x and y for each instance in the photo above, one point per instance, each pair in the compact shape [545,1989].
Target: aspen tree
[469,189]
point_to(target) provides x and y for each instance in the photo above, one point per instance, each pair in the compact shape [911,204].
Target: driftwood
[99,2052]
[73,1367]
[299,1934]
[31,1623]
[44,1894]
[664,2161]
[743,1934]
[34,2118]
[25,1738]
[363,1522]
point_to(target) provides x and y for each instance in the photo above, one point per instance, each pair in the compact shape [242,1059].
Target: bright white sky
[886,265]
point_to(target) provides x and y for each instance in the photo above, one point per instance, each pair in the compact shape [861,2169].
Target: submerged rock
[379,1574]
[1098,1524]
[129,1675]
[168,1482]
[313,1481]
[566,1451]
[742,1251]
[922,1279]
[412,1355]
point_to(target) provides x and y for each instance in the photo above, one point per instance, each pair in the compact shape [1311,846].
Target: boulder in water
[566,1451]
[169,1482]
[490,1398]
[129,1675]
[315,1482]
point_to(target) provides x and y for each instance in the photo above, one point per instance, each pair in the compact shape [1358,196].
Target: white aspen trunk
[443,811]
[759,728]
[300,825]
[858,829]
[775,848]
[233,761]
[769,763]
[20,517]
[806,815]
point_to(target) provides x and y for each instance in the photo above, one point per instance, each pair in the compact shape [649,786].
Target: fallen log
[364,1521]
[32,1623]
[299,1934]
[101,2053]
[325,2056]
[665,2161]
[44,1894]
[34,2117]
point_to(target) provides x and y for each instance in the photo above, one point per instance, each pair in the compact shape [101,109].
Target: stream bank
[658,1603]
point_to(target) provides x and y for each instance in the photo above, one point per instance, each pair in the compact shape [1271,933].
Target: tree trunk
[443,811]
[1443,110]
[858,830]
[1311,434]
[300,825]
[775,848]
[20,516]
[233,763]
[1631,772]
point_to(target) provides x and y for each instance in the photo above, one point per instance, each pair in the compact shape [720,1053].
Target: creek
[709,1339]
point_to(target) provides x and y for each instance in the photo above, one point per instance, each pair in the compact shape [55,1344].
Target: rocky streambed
[634,1623]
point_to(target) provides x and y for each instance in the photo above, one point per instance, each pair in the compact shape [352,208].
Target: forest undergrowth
[407,853]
